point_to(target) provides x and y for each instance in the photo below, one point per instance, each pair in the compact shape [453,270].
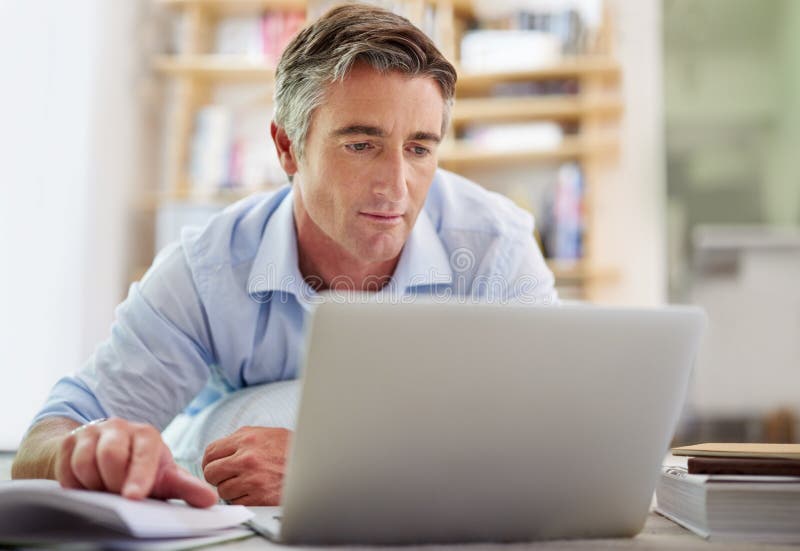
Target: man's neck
[337,273]
[324,264]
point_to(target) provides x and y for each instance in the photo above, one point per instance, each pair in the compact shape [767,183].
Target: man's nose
[391,177]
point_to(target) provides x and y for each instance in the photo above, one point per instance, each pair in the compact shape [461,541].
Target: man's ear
[283,146]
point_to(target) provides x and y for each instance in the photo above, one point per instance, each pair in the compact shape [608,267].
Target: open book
[41,510]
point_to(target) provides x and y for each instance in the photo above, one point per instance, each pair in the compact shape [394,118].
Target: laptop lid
[452,422]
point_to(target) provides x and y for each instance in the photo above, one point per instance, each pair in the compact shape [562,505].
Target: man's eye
[420,151]
[362,146]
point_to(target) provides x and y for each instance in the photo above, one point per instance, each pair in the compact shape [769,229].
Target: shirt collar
[276,268]
[423,261]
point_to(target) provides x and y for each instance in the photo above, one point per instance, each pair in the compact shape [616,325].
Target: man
[362,101]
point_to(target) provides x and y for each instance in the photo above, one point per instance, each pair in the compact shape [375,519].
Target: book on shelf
[523,36]
[762,509]
[561,223]
[211,148]
[429,20]
[277,30]
[239,36]
[263,37]
[484,51]
[231,150]
[561,87]
[531,136]
[555,197]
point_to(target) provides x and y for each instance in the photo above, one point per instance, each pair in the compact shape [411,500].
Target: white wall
[749,361]
[68,148]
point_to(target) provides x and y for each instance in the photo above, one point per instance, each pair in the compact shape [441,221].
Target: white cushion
[270,405]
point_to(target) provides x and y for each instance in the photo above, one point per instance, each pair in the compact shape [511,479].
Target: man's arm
[116,456]
[36,457]
[154,362]
[530,280]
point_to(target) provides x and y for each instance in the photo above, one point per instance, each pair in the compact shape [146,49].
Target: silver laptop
[423,423]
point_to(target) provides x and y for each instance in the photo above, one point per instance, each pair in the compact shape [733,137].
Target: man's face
[370,157]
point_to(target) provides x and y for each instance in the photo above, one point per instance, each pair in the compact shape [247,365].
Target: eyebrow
[363,129]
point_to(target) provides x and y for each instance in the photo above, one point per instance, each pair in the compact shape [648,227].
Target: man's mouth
[383,217]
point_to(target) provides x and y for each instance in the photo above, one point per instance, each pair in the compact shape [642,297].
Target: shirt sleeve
[156,359]
[531,280]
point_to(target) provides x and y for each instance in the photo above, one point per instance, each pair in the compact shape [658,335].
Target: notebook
[762,451]
[743,465]
[43,511]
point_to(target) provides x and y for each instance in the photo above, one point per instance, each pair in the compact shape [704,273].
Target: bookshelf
[590,66]
[554,107]
[590,110]
[457,155]
[226,67]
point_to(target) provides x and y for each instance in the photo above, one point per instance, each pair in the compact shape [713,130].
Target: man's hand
[126,458]
[247,467]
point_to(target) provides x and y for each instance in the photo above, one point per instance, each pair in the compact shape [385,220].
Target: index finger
[63,471]
[145,456]
[218,449]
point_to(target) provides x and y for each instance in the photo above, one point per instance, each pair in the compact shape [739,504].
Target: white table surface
[658,534]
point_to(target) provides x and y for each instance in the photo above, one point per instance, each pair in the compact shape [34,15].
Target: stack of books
[735,492]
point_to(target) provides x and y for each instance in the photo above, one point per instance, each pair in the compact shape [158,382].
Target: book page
[45,501]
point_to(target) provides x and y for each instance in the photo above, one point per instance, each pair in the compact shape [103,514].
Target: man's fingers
[232,489]
[176,483]
[248,489]
[84,460]
[146,449]
[63,469]
[219,471]
[270,499]
[219,449]
[113,456]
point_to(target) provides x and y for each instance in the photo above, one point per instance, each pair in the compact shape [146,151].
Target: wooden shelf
[224,67]
[216,67]
[220,196]
[568,68]
[578,272]
[514,109]
[461,7]
[463,155]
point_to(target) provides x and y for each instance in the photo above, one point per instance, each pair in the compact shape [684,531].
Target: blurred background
[655,142]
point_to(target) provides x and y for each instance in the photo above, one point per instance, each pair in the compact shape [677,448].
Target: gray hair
[325,51]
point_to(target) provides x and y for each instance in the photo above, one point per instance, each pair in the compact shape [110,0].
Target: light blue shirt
[225,307]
